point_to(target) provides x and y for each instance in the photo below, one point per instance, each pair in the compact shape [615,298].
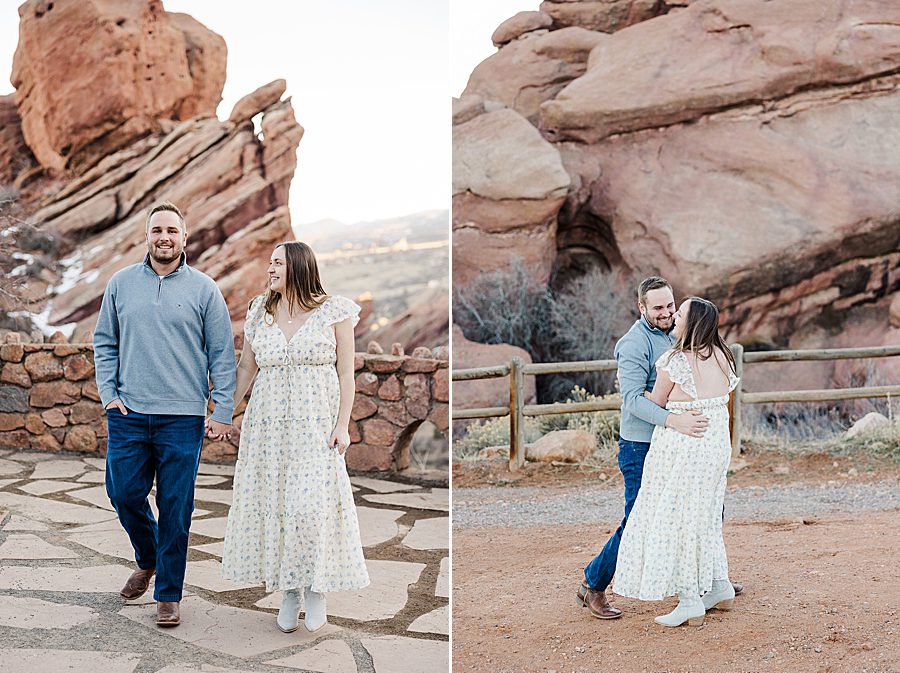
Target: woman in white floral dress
[293,523]
[673,542]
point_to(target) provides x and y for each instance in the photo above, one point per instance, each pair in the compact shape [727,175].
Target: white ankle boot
[720,597]
[288,619]
[690,609]
[314,606]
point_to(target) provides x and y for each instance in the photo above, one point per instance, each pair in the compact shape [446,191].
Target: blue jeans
[599,572]
[142,446]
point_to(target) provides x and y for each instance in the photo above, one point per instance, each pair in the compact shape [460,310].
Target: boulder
[868,424]
[467,107]
[741,52]
[533,69]
[508,185]
[756,236]
[254,103]
[565,446]
[485,392]
[519,24]
[603,15]
[92,76]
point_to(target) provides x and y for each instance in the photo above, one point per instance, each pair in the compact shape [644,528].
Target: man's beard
[164,255]
[660,327]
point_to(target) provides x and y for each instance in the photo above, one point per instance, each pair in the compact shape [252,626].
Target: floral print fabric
[293,522]
[672,541]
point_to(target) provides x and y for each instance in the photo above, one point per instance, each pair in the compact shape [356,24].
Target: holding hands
[216,430]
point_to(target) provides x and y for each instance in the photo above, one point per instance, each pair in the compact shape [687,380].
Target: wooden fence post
[516,418]
[735,404]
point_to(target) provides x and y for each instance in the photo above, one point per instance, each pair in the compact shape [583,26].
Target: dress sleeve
[252,318]
[733,381]
[678,368]
[340,308]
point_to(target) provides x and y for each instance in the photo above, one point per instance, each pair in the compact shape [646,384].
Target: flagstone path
[64,557]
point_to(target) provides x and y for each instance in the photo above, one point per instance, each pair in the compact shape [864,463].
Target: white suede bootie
[720,597]
[314,605]
[288,619]
[690,609]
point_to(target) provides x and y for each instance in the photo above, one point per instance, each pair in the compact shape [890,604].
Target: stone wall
[49,402]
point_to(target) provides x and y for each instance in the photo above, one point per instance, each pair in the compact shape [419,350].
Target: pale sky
[472,22]
[368,82]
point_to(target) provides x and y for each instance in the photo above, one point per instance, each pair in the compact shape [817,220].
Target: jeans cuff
[168,597]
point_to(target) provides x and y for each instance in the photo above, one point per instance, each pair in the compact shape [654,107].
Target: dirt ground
[820,597]
[822,594]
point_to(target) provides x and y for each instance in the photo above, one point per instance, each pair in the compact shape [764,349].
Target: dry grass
[790,430]
[798,429]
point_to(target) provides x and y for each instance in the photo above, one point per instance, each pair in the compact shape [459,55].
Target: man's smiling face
[659,308]
[166,236]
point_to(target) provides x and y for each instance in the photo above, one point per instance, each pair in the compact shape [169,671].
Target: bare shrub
[505,306]
[579,322]
[587,317]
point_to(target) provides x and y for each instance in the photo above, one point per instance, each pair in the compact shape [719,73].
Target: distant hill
[329,235]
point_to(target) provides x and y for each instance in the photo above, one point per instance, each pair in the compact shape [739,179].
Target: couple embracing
[675,374]
[162,337]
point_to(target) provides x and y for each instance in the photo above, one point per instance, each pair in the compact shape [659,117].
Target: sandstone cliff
[114,109]
[748,150]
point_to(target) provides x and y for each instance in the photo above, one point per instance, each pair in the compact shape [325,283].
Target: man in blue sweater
[162,334]
[636,354]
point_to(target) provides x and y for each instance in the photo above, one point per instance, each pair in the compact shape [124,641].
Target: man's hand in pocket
[117,404]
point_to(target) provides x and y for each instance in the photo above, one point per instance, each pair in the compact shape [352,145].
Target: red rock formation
[508,185]
[425,323]
[123,96]
[231,186]
[748,150]
[15,157]
[92,76]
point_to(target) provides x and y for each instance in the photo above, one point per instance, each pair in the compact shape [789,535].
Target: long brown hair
[302,285]
[701,332]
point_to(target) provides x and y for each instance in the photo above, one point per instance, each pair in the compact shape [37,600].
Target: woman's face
[681,318]
[278,270]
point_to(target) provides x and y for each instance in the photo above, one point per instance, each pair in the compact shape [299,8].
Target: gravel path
[524,507]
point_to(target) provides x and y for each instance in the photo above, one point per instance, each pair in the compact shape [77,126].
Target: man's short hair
[651,283]
[163,207]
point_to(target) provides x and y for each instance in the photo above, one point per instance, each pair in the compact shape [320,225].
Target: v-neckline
[309,316]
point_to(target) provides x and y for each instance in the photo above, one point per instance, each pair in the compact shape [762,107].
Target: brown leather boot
[168,613]
[137,584]
[597,603]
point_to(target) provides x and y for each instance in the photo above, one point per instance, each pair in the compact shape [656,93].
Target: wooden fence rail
[517,410]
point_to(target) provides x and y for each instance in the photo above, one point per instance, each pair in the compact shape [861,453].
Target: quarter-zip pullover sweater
[636,354]
[160,339]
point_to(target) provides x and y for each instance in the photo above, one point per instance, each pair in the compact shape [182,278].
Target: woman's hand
[216,430]
[339,439]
